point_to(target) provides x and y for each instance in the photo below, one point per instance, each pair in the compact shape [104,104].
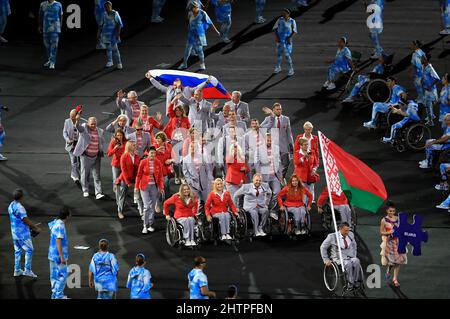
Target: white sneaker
[274,216]
[74,179]
[257,233]
[51,66]
[119,66]
[445,32]
[290,72]
[151,229]
[441,206]
[2,158]
[386,140]
[424,166]
[441,187]
[348,100]
[46,64]
[144,230]
[261,233]
[157,19]
[18,273]
[223,237]
[228,237]
[369,125]
[226,40]
[277,70]
[187,243]
[331,86]
[99,196]
[29,273]
[298,232]
[326,84]
[109,64]
[260,20]
[202,66]
[424,162]
[182,66]
[85,194]
[3,40]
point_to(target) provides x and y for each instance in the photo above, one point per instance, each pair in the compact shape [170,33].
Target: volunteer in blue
[223,16]
[417,68]
[444,99]
[342,63]
[5,11]
[198,282]
[285,28]
[139,280]
[156,11]
[50,21]
[260,4]
[21,236]
[103,271]
[430,79]
[445,12]
[375,26]
[58,254]
[2,132]
[109,35]
[99,13]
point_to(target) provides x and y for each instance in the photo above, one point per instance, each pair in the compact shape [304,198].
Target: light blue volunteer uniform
[51,14]
[430,89]
[21,236]
[445,12]
[109,36]
[223,16]
[444,106]
[2,133]
[104,267]
[412,116]
[260,4]
[284,29]
[300,3]
[99,13]
[380,107]
[5,11]
[377,29]
[139,283]
[58,270]
[418,73]
[197,280]
[341,64]
[432,150]
[157,8]
[363,79]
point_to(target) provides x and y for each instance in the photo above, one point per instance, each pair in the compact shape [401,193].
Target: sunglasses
[139,129]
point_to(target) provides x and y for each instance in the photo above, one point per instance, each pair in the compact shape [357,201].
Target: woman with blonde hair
[186,206]
[218,204]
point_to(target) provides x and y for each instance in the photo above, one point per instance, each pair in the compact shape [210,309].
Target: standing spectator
[109,35]
[259,10]
[130,106]
[99,16]
[129,165]
[285,28]
[186,208]
[218,205]
[313,141]
[70,134]
[342,63]
[389,245]
[21,236]
[115,150]
[198,282]
[90,150]
[149,123]
[121,122]
[5,11]
[376,26]
[157,6]
[103,271]
[50,21]
[444,107]
[292,199]
[306,166]
[239,107]
[141,138]
[150,183]
[58,254]
[430,79]
[416,70]
[237,168]
[2,132]
[139,280]
[280,127]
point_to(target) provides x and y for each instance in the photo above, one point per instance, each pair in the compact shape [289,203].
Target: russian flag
[213,90]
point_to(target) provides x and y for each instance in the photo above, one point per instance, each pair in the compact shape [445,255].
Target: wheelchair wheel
[205,230]
[283,222]
[417,136]
[234,224]
[308,224]
[354,218]
[173,235]
[378,91]
[333,277]
[393,118]
[241,224]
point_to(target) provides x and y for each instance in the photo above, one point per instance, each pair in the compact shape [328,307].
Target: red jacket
[181,209]
[164,156]
[215,205]
[234,174]
[116,154]
[314,145]
[172,124]
[337,200]
[303,167]
[143,175]
[295,200]
[150,124]
[128,169]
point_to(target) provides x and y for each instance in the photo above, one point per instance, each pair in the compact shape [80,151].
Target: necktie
[257,192]
[278,123]
[198,106]
[345,242]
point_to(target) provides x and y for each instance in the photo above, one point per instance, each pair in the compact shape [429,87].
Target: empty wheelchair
[336,281]
[327,219]
[174,234]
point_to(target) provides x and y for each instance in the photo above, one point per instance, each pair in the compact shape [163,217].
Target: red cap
[78,108]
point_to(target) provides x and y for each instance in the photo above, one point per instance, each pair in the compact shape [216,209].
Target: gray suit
[70,133]
[171,92]
[220,119]
[257,206]
[146,142]
[241,128]
[330,252]
[281,137]
[201,119]
[89,164]
[125,108]
[199,180]
[241,110]
[111,128]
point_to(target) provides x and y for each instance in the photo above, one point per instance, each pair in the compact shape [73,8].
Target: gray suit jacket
[224,147]
[240,125]
[329,249]
[262,163]
[250,200]
[242,110]
[146,142]
[111,128]
[85,139]
[202,180]
[283,137]
[125,108]
[202,119]
[70,133]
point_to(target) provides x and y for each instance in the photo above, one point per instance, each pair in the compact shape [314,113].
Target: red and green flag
[345,173]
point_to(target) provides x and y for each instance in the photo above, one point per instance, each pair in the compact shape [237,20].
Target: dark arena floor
[40,101]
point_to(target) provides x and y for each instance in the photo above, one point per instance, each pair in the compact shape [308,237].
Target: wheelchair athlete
[330,254]
[340,203]
[218,205]
[397,93]
[408,109]
[434,146]
[186,206]
[342,63]
[294,194]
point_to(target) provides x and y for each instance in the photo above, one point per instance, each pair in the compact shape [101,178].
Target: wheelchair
[174,234]
[336,282]
[286,224]
[244,226]
[327,219]
[210,231]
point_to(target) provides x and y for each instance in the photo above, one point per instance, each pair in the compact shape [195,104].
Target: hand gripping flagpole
[324,161]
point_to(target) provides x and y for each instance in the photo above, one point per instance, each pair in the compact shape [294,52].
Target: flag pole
[324,161]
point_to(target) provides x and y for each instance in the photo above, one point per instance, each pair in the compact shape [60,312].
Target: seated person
[186,206]
[410,110]
[396,93]
[218,204]
[444,168]
[330,253]
[292,199]
[434,146]
[363,79]
[340,204]
[257,196]
[342,63]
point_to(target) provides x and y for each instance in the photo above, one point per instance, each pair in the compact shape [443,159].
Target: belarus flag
[213,90]
[345,173]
